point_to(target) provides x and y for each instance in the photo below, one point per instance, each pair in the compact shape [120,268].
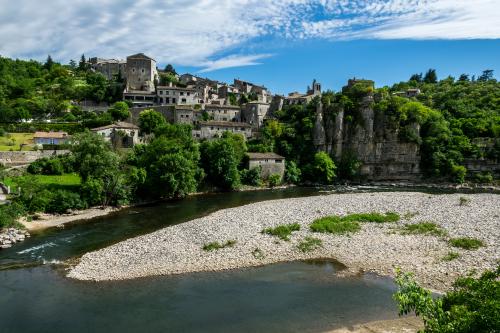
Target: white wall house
[169,95]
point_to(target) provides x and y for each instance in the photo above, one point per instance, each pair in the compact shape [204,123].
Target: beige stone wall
[13,158]
[271,167]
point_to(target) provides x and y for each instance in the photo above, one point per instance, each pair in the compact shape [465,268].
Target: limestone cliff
[370,138]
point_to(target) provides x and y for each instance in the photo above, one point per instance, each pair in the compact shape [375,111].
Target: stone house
[214,129]
[220,112]
[110,68]
[295,98]
[170,95]
[186,115]
[270,163]
[254,113]
[50,138]
[141,73]
[140,99]
[121,134]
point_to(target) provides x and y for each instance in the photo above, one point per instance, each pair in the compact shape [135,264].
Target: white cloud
[214,34]
[233,61]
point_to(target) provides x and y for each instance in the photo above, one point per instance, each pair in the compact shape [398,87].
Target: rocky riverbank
[376,247]
[45,221]
[10,236]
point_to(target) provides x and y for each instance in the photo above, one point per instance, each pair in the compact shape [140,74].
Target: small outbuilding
[121,134]
[50,138]
[270,164]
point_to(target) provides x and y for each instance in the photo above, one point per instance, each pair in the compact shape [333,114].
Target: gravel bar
[377,247]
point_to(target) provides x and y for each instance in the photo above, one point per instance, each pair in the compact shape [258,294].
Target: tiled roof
[50,135]
[117,125]
[263,156]
[224,124]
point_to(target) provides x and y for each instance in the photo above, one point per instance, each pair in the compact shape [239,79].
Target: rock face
[369,138]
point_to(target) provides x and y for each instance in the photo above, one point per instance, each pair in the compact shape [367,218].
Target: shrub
[484,178]
[310,244]
[451,256]
[463,201]
[466,243]
[9,213]
[292,172]
[334,225]
[92,192]
[46,166]
[62,201]
[472,306]
[274,180]
[251,177]
[458,173]
[282,231]
[423,228]
[258,253]
[216,245]
[372,217]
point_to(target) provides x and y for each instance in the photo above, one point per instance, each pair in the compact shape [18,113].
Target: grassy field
[66,181]
[12,141]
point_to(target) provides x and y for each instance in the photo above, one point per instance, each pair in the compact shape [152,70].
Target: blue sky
[283,44]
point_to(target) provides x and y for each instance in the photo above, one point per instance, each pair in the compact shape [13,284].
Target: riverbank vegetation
[472,306]
[350,223]
[283,232]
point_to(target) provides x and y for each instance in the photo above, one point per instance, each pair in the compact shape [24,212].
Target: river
[35,296]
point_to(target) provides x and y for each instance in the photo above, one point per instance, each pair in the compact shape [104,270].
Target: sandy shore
[49,221]
[377,247]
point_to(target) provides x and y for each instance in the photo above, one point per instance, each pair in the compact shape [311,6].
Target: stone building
[170,95]
[110,68]
[141,73]
[300,99]
[50,138]
[141,76]
[186,115]
[270,164]
[121,134]
[214,129]
[223,112]
[254,113]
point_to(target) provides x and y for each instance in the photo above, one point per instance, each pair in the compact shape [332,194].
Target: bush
[292,172]
[62,201]
[484,178]
[334,225]
[216,245]
[466,243]
[274,180]
[451,256]
[92,192]
[282,231]
[251,177]
[258,253]
[423,228]
[472,306]
[310,244]
[350,223]
[46,166]
[9,213]
[458,173]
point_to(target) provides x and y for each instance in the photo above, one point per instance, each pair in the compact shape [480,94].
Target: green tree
[119,111]
[149,120]
[292,172]
[170,69]
[170,162]
[322,170]
[82,65]
[486,75]
[49,63]
[473,306]
[430,76]
[220,159]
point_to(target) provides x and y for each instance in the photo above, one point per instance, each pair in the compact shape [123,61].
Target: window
[189,94]
[279,161]
[183,100]
[161,92]
[167,100]
[143,70]
[181,93]
[173,100]
[167,92]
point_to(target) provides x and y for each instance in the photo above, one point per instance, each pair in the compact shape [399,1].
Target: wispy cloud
[233,61]
[214,34]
